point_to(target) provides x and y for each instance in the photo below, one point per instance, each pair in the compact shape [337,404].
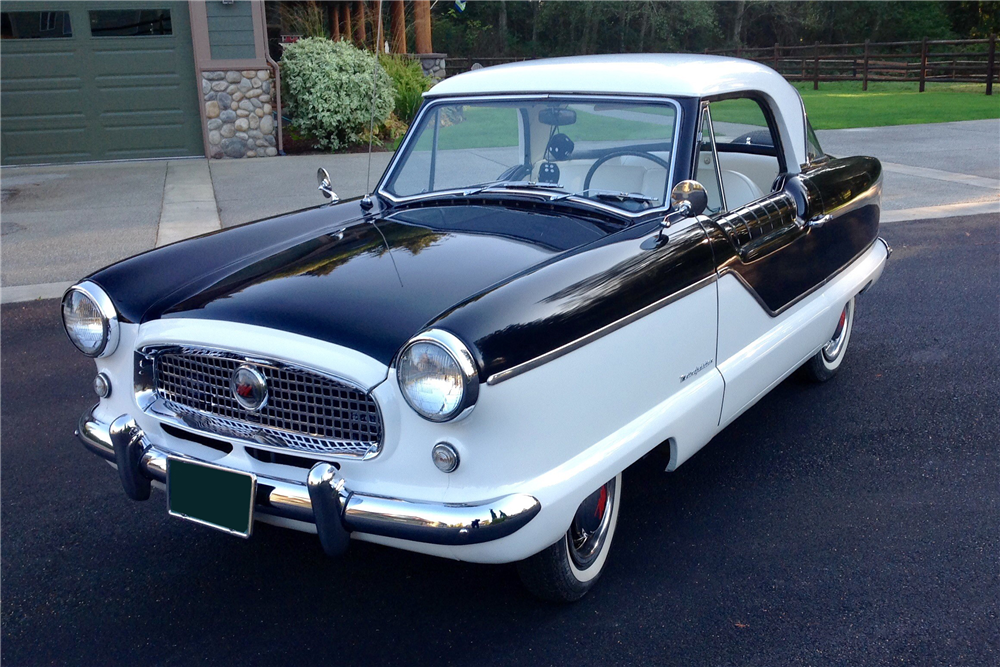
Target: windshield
[614,152]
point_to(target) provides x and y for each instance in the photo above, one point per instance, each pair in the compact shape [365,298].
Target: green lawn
[834,106]
[491,127]
[842,104]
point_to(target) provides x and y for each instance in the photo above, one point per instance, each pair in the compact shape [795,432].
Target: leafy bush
[327,88]
[410,83]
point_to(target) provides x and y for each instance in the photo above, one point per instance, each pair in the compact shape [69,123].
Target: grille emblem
[249,388]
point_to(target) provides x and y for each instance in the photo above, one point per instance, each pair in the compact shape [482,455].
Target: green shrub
[410,83]
[327,88]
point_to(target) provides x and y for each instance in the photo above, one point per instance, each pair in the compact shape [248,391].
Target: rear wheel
[824,364]
[565,571]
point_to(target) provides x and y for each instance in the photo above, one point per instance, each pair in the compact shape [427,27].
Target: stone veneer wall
[239,113]
[433,64]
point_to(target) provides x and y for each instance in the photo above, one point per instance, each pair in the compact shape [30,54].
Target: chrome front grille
[305,410]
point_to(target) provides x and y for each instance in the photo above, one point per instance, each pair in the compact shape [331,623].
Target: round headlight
[90,319]
[437,376]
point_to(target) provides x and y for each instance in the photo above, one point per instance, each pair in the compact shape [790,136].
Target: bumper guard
[323,499]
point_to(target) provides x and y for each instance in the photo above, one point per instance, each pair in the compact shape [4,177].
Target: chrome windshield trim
[434,102]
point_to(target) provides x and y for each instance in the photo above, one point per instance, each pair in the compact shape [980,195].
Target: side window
[814,153]
[706,169]
[746,148]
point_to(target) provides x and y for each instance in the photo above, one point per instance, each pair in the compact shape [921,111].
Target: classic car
[567,264]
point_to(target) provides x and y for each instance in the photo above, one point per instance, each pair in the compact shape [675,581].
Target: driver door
[738,163]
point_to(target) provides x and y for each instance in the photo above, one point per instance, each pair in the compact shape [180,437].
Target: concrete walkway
[60,223]
[189,207]
[253,189]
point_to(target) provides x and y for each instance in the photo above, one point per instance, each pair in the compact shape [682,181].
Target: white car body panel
[757,351]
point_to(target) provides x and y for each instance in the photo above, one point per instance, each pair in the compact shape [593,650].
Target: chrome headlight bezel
[109,318]
[453,346]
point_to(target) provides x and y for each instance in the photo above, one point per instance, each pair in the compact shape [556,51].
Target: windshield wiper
[610,194]
[511,185]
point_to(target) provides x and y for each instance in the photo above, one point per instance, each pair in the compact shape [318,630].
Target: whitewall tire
[824,364]
[565,571]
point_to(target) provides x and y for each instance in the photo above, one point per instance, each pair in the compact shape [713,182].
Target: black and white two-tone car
[567,264]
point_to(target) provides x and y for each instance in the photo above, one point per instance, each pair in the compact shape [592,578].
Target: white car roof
[680,75]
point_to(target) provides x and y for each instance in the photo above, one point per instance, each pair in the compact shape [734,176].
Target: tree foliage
[552,27]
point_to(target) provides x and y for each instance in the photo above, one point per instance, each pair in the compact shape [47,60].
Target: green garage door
[97,81]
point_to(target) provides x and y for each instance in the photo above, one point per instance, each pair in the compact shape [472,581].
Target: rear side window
[741,122]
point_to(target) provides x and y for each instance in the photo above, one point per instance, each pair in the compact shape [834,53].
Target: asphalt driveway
[849,523]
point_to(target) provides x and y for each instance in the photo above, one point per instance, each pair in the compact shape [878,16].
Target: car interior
[744,149]
[738,155]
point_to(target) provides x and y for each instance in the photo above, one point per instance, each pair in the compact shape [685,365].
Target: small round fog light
[102,385]
[445,457]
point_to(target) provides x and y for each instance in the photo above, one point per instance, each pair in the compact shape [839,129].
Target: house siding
[230,30]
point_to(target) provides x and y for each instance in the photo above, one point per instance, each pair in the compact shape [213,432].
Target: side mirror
[688,197]
[325,187]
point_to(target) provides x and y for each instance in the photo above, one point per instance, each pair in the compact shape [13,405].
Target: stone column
[239,112]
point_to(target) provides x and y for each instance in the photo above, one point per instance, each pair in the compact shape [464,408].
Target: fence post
[923,63]
[816,66]
[775,56]
[991,64]
[864,76]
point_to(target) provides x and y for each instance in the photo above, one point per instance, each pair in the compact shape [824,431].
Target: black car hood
[368,284]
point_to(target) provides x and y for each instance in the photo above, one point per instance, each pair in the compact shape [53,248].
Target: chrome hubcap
[833,348]
[590,526]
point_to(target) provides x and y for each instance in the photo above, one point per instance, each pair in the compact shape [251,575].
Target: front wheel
[824,364]
[565,571]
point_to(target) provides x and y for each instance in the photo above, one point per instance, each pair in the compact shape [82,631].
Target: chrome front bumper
[323,499]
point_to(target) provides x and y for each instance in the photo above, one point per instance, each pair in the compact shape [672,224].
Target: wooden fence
[940,60]
[937,60]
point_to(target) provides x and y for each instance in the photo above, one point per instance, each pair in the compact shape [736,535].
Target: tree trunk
[398,26]
[333,16]
[360,34]
[622,22]
[422,26]
[741,8]
[534,26]
[378,27]
[502,27]
[348,25]
[646,9]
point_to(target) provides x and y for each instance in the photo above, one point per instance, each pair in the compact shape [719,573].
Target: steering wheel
[619,153]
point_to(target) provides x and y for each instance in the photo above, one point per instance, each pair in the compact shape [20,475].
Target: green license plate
[212,496]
